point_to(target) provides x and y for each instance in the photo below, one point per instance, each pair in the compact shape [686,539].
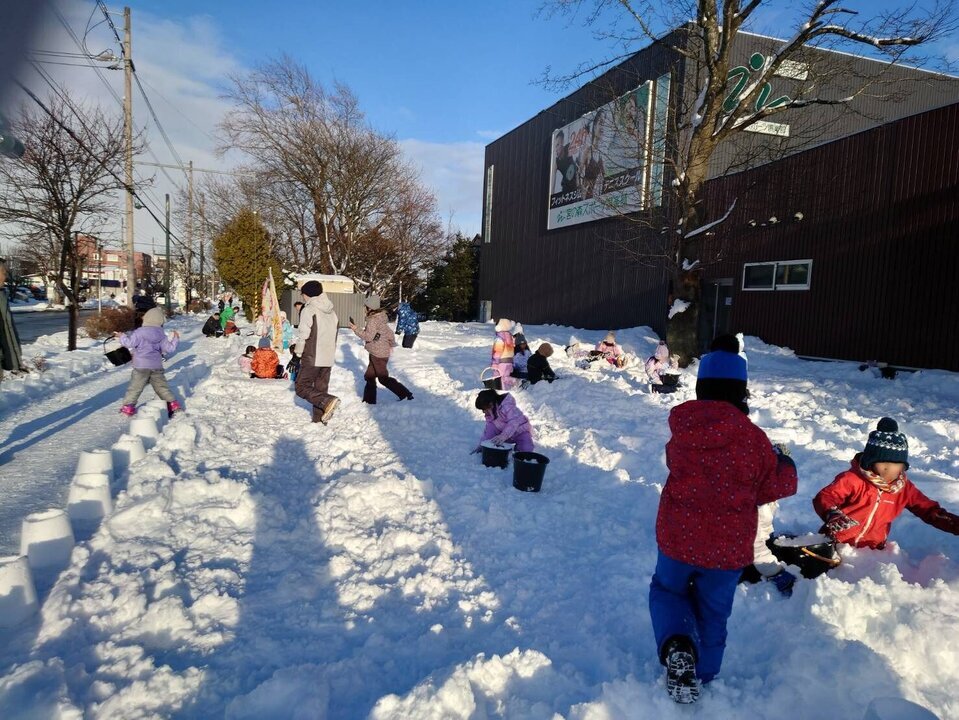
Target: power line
[83,146]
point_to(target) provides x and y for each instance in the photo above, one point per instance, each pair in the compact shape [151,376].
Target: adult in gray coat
[316,349]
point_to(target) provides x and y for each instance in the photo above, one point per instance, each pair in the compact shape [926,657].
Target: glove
[945,520]
[294,365]
[498,439]
[475,450]
[784,581]
[837,521]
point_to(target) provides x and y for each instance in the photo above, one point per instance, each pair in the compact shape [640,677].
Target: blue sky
[445,77]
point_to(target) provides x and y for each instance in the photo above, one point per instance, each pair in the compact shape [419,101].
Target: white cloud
[183,66]
[454,172]
[490,134]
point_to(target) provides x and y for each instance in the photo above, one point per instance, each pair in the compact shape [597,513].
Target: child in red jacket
[858,507]
[721,469]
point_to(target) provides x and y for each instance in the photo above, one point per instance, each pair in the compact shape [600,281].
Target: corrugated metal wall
[880,220]
[576,275]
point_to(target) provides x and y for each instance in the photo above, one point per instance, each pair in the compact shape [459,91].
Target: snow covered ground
[259,566]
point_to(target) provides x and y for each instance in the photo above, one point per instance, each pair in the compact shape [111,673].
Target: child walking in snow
[505,423]
[859,506]
[379,344]
[149,345]
[503,347]
[721,469]
[407,323]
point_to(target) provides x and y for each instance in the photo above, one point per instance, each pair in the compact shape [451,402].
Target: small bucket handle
[496,371]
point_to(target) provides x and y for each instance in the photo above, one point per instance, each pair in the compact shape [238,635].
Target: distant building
[107,266]
[848,207]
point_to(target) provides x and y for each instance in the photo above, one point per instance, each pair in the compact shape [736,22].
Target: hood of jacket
[321,303]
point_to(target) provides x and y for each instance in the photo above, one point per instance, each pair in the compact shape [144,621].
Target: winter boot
[681,682]
[130,410]
[173,407]
[329,410]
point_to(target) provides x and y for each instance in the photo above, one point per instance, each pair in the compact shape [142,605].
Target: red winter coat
[874,509]
[264,363]
[721,468]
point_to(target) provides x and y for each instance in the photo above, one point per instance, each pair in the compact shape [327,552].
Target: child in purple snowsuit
[149,344]
[504,421]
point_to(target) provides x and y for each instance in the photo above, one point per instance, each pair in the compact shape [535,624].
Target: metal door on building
[717,303]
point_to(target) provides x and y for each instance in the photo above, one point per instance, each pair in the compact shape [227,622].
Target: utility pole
[189,233]
[128,140]
[166,269]
[99,246]
[202,284]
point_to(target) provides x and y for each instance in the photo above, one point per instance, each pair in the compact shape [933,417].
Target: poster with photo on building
[599,161]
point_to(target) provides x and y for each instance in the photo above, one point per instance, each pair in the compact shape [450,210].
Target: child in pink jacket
[503,348]
[505,423]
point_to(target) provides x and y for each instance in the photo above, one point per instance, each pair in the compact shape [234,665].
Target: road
[31,325]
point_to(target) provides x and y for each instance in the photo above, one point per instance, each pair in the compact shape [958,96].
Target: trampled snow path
[45,421]
[262,566]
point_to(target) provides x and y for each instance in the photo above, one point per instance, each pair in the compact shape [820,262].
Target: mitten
[784,581]
[475,450]
[837,521]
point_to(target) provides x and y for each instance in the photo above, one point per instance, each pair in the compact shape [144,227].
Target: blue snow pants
[695,602]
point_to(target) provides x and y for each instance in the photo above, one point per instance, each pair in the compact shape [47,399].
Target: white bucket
[95,461]
[126,451]
[146,429]
[89,498]
[46,538]
[18,595]
[155,414]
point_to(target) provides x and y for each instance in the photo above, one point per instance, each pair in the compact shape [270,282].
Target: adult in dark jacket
[11,357]
[211,328]
[379,344]
[721,469]
[537,368]
[316,349]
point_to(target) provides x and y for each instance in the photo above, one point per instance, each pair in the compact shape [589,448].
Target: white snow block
[146,429]
[18,595]
[46,538]
[893,708]
[155,414]
[95,461]
[126,451]
[89,498]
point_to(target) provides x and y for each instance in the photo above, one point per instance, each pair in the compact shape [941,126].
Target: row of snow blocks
[146,429]
[18,594]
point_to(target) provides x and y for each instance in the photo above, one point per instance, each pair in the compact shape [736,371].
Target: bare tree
[337,196]
[62,186]
[723,100]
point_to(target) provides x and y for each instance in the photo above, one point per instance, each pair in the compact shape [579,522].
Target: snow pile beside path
[262,566]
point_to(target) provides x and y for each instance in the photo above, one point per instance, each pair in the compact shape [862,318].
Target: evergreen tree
[243,253]
[451,291]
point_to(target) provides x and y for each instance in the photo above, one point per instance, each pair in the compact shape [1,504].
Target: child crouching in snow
[505,423]
[265,362]
[859,506]
[245,360]
[721,469]
[148,345]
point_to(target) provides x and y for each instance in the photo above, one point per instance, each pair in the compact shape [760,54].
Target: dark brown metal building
[859,211]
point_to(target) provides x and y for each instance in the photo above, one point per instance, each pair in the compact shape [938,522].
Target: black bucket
[812,559]
[497,457]
[669,379]
[528,471]
[120,356]
[494,381]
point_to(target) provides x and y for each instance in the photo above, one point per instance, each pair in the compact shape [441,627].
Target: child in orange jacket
[859,506]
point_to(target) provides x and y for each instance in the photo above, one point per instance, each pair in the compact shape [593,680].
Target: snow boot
[329,410]
[173,407]
[681,682]
[129,410]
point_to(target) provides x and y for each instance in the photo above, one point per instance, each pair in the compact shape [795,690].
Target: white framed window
[782,275]
[488,217]
[113,257]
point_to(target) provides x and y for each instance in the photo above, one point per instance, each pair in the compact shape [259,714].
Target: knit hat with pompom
[885,444]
